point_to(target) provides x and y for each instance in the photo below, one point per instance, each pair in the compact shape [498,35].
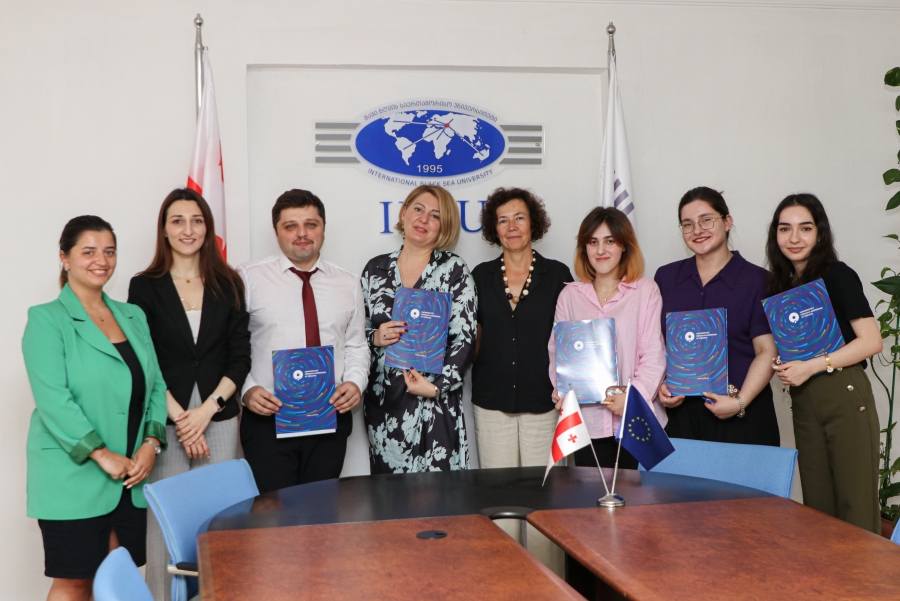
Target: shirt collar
[284,264]
[728,274]
[587,289]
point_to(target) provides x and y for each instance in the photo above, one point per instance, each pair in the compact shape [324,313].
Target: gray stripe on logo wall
[331,148]
[333,136]
[337,160]
[521,161]
[522,127]
[524,150]
[337,125]
[525,138]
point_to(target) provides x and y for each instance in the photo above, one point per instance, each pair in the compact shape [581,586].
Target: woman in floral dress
[415,421]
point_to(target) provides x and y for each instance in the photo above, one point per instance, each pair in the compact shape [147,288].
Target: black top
[138,388]
[222,347]
[511,371]
[847,298]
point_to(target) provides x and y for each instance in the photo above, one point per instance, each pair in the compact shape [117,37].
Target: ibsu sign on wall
[429,141]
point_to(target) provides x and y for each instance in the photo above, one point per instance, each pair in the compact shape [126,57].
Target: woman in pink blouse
[610,267]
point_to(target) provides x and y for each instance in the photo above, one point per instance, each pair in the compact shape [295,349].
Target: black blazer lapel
[212,307]
[172,302]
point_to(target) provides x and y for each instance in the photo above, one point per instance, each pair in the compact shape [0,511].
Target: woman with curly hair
[511,389]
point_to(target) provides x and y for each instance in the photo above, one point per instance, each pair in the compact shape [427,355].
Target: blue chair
[118,579]
[770,469]
[185,504]
[895,537]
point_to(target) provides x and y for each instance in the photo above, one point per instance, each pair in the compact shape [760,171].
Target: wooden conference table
[356,538]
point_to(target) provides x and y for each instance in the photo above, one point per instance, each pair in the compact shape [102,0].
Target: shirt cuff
[84,447]
[158,431]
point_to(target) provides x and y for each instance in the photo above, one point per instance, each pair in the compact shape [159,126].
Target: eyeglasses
[706,223]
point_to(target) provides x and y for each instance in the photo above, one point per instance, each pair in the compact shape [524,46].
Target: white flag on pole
[615,168]
[206,176]
[571,432]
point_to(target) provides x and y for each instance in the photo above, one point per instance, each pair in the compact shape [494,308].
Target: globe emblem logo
[689,336]
[415,313]
[794,317]
[430,143]
[298,374]
[578,346]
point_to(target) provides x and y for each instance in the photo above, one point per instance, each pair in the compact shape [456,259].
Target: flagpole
[198,60]
[612,499]
[611,52]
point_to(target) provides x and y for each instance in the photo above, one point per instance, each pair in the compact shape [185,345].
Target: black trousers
[606,449]
[282,462]
[693,420]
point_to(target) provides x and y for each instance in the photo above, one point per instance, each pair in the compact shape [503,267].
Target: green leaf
[892,77]
[896,466]
[892,237]
[890,491]
[893,203]
[891,176]
[898,154]
[897,103]
[889,285]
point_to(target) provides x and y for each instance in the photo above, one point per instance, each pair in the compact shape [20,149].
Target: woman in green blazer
[100,415]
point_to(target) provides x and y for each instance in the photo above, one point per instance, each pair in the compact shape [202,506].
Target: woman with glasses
[835,422]
[718,277]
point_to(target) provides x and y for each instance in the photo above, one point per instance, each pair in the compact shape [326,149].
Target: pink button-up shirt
[640,350]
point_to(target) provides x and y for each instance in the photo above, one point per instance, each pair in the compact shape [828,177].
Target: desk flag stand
[611,499]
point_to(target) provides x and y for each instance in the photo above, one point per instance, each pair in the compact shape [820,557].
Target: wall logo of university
[428,141]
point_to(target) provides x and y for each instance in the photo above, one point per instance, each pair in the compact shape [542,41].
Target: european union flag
[640,432]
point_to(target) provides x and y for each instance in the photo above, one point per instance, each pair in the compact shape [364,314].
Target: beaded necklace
[524,293]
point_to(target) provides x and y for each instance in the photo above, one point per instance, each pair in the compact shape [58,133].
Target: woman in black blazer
[195,308]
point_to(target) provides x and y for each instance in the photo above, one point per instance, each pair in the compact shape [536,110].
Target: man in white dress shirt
[297,299]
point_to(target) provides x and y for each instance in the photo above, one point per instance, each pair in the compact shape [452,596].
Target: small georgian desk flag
[207,176]
[571,433]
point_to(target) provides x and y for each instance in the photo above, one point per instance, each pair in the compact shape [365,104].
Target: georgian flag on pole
[571,433]
[206,176]
[615,168]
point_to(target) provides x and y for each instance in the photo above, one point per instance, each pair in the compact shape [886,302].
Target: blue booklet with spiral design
[304,383]
[586,358]
[803,322]
[697,352]
[427,313]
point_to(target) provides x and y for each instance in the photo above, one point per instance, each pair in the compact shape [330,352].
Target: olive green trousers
[837,433]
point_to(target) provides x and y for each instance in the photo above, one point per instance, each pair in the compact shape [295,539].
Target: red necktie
[310,315]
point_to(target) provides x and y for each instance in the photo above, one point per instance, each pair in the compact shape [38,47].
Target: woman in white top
[196,312]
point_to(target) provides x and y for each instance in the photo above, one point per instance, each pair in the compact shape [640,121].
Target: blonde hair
[631,265]
[449,210]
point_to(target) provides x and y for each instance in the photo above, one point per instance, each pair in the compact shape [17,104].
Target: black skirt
[76,548]
[693,420]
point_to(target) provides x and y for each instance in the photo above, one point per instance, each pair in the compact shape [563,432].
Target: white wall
[96,116]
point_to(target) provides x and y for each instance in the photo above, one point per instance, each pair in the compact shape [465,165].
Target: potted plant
[889,322]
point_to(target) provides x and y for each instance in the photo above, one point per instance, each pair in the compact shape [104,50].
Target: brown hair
[296,199]
[540,221]
[449,235]
[213,268]
[631,266]
[73,231]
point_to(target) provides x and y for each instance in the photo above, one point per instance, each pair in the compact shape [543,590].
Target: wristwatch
[220,402]
[156,448]
[740,401]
